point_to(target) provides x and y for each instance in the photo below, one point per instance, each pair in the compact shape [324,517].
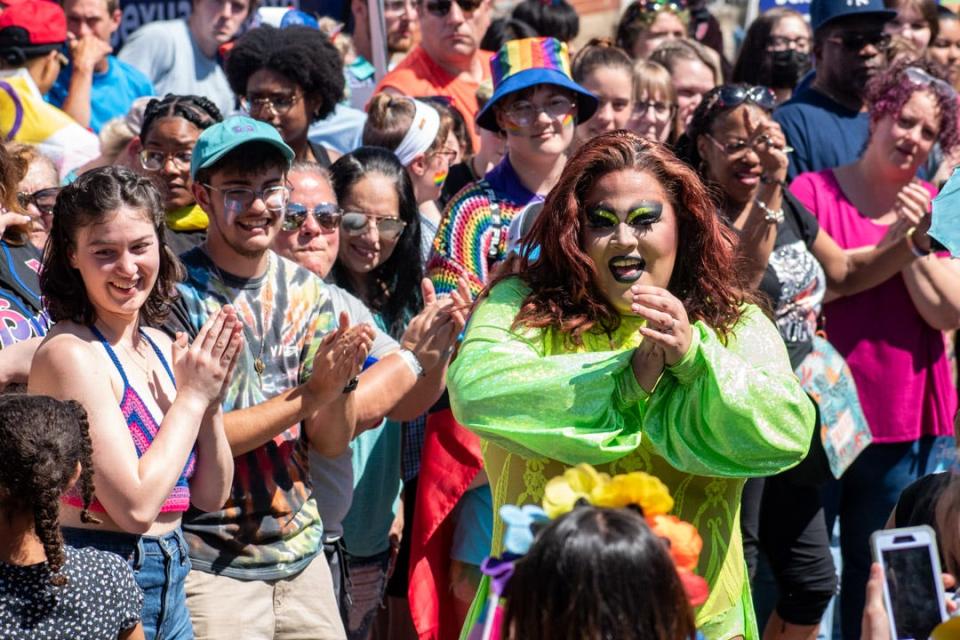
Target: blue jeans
[160,566]
[863,498]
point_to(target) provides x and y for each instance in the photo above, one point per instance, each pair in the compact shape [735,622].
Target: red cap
[32,24]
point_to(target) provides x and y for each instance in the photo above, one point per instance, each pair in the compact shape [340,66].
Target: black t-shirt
[21,312]
[794,281]
[100,599]
[460,175]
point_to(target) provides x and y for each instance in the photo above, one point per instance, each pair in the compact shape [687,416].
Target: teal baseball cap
[223,137]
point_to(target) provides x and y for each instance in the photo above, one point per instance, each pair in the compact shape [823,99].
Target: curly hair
[41,442]
[396,282]
[890,90]
[94,198]
[562,279]
[301,54]
[581,577]
[13,167]
[197,110]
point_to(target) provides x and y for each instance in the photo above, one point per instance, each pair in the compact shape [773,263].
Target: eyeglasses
[43,200]
[240,199]
[856,42]
[278,104]
[524,113]
[327,214]
[918,76]
[730,95]
[661,110]
[782,43]
[449,154]
[738,148]
[152,160]
[356,224]
[440,8]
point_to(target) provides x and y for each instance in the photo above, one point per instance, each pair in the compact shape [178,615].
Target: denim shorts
[160,566]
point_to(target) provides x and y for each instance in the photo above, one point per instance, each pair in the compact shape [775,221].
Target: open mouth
[254,224]
[626,269]
[126,287]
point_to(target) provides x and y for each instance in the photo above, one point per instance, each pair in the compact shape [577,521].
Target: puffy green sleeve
[725,411]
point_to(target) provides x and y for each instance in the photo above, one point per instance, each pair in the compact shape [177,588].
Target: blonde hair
[653,79]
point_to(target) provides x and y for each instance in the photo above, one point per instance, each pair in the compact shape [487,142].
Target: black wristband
[765,179]
[352,385]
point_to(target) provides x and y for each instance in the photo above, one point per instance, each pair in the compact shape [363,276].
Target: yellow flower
[683,537]
[562,492]
[638,488]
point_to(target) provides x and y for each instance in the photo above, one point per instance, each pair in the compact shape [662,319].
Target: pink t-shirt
[898,360]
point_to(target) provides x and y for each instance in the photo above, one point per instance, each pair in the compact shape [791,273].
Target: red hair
[563,278]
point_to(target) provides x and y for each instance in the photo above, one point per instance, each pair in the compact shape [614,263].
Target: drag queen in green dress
[622,338]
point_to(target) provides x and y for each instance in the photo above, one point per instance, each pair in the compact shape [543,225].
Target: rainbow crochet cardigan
[472,237]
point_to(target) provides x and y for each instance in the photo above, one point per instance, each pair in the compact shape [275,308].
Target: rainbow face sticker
[439,178]
[567,120]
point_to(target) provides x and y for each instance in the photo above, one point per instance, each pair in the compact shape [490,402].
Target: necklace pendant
[259,366]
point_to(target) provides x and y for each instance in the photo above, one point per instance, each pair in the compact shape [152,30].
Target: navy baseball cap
[823,11]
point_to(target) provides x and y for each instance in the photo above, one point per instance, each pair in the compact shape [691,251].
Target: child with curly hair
[49,590]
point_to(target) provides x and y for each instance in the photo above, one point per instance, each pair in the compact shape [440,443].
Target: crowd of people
[292,350]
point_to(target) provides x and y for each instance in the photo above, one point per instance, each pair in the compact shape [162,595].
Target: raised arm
[132,489]
[733,410]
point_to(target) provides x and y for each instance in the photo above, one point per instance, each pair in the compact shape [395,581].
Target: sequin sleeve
[734,410]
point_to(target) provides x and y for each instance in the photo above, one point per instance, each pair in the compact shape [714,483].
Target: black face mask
[787,67]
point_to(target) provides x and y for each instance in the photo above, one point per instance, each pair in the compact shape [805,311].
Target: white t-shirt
[167,54]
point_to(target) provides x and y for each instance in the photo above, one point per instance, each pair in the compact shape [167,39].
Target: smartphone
[912,587]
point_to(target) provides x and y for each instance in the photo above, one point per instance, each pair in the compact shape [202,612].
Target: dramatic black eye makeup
[640,215]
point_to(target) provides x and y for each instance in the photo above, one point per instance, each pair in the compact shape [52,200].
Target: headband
[421,134]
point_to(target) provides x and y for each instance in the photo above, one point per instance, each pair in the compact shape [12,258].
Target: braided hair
[41,442]
[198,110]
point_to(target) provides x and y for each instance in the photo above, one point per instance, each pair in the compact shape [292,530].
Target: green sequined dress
[722,414]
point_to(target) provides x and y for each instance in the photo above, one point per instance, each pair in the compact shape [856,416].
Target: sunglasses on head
[440,8]
[729,96]
[327,214]
[855,42]
[918,76]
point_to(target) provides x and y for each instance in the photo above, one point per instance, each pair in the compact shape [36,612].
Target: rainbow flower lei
[562,494]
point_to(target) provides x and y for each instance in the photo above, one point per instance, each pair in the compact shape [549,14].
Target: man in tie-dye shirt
[254,572]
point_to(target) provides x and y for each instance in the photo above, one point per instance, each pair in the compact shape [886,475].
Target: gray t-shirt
[167,54]
[333,477]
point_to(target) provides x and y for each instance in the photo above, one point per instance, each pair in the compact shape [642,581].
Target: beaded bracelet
[771,216]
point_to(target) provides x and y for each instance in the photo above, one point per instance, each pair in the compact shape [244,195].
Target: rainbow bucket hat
[520,64]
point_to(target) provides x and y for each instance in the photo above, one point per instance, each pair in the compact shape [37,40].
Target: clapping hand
[432,334]
[339,359]
[203,367]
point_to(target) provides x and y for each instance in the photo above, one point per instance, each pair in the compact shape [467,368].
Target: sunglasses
[856,42]
[43,200]
[440,8]
[356,224]
[327,214]
[920,77]
[729,96]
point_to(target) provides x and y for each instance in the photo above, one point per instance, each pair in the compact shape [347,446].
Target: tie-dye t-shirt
[270,527]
